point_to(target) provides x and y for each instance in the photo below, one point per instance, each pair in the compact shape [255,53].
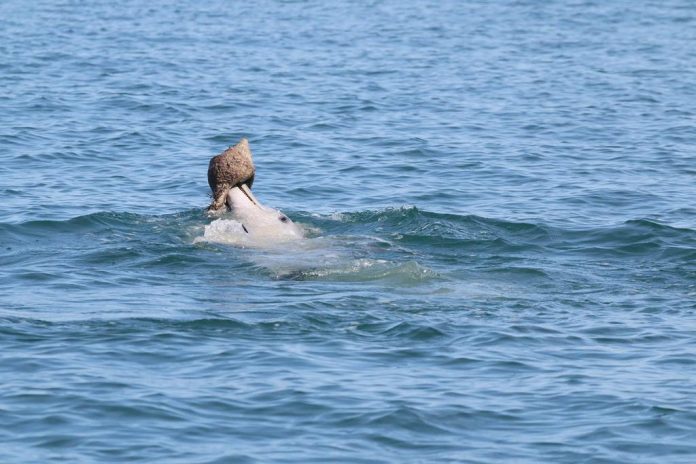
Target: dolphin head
[261,223]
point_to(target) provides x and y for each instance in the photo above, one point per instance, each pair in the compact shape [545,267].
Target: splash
[232,232]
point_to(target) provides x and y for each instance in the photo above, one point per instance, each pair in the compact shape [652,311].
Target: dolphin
[262,223]
[230,176]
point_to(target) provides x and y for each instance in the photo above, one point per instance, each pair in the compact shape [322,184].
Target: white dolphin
[230,176]
[261,224]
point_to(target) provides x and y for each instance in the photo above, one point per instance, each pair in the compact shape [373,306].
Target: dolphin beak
[247,191]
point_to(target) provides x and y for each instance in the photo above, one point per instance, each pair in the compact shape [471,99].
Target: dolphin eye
[283,219]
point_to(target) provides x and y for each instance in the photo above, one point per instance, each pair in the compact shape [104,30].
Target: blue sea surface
[500,206]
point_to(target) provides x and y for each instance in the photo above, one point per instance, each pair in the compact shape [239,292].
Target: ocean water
[500,206]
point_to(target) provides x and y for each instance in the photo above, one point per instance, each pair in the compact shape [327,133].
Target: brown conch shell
[230,168]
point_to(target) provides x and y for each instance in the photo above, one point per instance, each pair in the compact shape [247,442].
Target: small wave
[410,220]
[410,226]
[635,237]
[105,222]
[100,220]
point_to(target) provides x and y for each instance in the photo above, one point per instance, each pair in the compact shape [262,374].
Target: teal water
[501,254]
